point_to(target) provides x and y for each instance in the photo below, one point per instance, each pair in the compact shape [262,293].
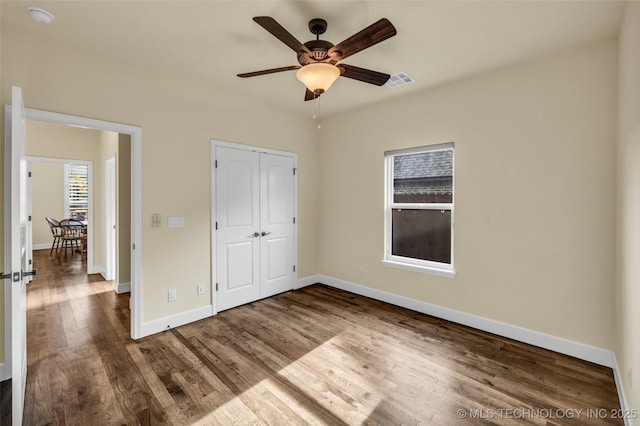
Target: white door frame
[136,204]
[214,219]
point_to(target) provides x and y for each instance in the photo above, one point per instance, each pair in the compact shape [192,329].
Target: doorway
[135,205]
[254,232]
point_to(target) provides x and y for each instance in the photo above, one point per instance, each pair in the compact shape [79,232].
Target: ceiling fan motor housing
[318,49]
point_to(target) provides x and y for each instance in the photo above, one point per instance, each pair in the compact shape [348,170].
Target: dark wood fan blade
[363,74]
[373,34]
[280,33]
[309,95]
[269,71]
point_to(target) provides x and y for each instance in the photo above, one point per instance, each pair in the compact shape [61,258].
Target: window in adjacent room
[76,191]
[419,209]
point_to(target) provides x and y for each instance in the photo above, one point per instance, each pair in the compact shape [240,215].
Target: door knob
[264,234]
[255,234]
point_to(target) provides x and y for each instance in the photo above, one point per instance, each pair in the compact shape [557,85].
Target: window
[76,191]
[419,209]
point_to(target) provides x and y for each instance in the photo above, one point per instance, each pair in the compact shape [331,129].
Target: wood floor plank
[314,356]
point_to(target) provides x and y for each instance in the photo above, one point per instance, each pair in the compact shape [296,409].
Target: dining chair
[73,235]
[54,225]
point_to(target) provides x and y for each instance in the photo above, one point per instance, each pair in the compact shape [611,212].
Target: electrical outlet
[199,289]
[172,295]
[155,220]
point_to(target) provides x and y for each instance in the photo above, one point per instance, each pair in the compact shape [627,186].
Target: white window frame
[67,204]
[418,265]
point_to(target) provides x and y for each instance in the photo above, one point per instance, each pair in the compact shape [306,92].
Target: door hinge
[294,219]
[216,225]
[294,268]
[29,174]
[29,218]
[294,171]
[30,262]
[133,246]
[216,286]
[216,164]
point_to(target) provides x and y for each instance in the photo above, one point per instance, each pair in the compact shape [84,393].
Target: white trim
[5,372]
[557,344]
[136,196]
[122,288]
[621,395]
[449,273]
[418,149]
[307,281]
[97,269]
[173,321]
[46,246]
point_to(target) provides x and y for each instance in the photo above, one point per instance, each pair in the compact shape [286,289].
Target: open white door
[16,247]
[110,213]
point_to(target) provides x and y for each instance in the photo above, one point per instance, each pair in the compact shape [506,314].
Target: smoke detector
[40,15]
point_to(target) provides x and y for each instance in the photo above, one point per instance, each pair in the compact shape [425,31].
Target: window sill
[419,268]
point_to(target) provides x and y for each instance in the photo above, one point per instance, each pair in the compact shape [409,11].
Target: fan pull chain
[316,109]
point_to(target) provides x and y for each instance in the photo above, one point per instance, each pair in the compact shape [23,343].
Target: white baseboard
[532,337]
[96,269]
[621,394]
[172,321]
[123,288]
[42,246]
[4,373]
[306,281]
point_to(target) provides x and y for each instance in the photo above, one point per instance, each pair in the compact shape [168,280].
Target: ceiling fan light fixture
[318,77]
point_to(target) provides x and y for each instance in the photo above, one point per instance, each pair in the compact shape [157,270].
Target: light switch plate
[175,222]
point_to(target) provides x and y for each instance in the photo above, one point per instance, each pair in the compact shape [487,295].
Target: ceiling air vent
[400,79]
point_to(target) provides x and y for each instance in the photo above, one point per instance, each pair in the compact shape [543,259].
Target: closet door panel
[238,221]
[277,188]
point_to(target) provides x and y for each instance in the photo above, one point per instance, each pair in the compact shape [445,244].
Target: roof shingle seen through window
[423,165]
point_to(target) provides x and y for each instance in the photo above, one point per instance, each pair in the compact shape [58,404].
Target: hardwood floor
[313,356]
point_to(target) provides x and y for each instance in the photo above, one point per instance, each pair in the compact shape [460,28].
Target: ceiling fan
[320,60]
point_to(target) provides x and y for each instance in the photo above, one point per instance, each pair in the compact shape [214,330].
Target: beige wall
[47,198]
[534,213]
[178,118]
[627,324]
[63,142]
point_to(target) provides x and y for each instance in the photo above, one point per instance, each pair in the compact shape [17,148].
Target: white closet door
[276,224]
[238,221]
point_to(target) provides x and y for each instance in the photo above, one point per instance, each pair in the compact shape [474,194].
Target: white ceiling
[212,41]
